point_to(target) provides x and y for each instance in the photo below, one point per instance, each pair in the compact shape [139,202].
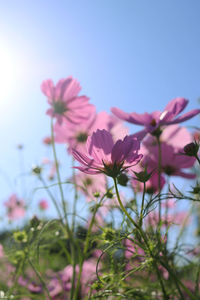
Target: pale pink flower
[103,156]
[65,102]
[174,135]
[172,163]
[15,207]
[1,251]
[75,136]
[90,185]
[171,218]
[88,275]
[153,121]
[52,170]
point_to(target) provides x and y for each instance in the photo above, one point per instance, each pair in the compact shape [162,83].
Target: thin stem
[142,206]
[73,231]
[143,236]
[198,159]
[70,234]
[159,174]
[58,174]
[122,207]
[86,247]
[40,278]
[51,197]
[75,196]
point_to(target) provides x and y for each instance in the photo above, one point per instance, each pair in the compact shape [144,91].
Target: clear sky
[136,55]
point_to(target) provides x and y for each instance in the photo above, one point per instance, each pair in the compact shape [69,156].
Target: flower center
[169,170]
[59,107]
[112,169]
[82,137]
[87,181]
[153,122]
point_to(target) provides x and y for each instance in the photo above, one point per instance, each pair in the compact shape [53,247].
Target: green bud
[191,149]
[96,195]
[36,170]
[97,285]
[143,176]
[34,222]
[122,179]
[108,234]
[20,237]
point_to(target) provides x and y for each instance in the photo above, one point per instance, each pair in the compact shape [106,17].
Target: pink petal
[176,106]
[132,118]
[100,145]
[47,88]
[185,117]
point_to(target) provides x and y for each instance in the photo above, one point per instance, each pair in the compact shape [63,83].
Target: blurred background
[136,55]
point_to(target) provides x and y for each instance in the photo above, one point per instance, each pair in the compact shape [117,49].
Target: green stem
[159,174]
[73,231]
[122,207]
[51,197]
[70,234]
[142,206]
[143,236]
[58,174]
[40,278]
[198,159]
[85,249]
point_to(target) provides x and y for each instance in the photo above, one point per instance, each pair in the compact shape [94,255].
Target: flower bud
[191,149]
[122,179]
[20,236]
[143,176]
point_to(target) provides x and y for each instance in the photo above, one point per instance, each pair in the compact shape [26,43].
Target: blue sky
[136,55]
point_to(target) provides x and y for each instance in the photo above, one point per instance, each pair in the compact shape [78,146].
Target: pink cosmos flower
[15,207]
[103,156]
[90,185]
[172,162]
[157,118]
[75,136]
[65,102]
[174,135]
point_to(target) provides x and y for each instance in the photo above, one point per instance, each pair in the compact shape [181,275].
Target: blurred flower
[43,204]
[1,251]
[47,140]
[15,207]
[76,136]
[107,157]
[65,102]
[90,185]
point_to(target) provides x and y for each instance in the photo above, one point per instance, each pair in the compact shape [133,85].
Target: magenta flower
[65,102]
[103,156]
[156,119]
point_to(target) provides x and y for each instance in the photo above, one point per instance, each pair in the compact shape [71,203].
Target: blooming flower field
[120,245]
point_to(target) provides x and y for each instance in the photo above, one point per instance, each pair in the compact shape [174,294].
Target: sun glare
[9,73]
